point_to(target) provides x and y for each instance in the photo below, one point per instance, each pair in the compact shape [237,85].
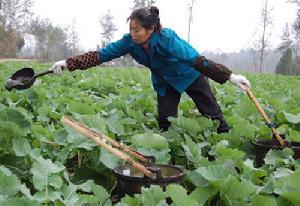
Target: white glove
[59,66]
[240,81]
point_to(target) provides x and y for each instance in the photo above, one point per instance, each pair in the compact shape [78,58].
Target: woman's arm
[215,71]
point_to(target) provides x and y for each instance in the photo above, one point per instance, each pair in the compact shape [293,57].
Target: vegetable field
[43,162]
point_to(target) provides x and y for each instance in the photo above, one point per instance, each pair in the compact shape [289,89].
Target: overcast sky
[218,25]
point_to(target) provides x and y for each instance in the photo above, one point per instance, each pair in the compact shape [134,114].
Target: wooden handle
[43,73]
[263,114]
[102,142]
[118,145]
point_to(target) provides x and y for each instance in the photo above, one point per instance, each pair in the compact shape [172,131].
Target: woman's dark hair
[147,17]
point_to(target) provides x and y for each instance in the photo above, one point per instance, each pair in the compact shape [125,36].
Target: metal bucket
[263,146]
[130,181]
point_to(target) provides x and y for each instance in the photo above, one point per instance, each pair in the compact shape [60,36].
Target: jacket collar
[153,41]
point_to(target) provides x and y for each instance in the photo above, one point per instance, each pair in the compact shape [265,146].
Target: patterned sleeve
[215,71]
[83,61]
[94,58]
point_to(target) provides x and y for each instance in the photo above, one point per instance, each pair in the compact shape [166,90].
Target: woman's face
[138,33]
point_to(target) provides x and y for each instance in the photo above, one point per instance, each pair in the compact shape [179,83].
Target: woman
[175,66]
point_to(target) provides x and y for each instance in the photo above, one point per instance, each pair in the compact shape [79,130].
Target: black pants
[201,95]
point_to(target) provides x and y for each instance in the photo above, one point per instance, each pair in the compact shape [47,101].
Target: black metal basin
[263,146]
[131,182]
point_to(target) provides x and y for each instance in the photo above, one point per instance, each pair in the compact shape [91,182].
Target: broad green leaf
[128,201]
[179,195]
[204,123]
[81,107]
[195,178]
[115,126]
[245,107]
[268,188]
[294,119]
[282,172]
[23,188]
[44,112]
[150,140]
[87,200]
[17,201]
[161,156]
[294,136]
[263,200]
[40,132]
[10,129]
[21,147]
[252,173]
[288,187]
[229,153]
[9,184]
[102,195]
[95,122]
[202,194]
[214,172]
[43,171]
[86,186]
[193,150]
[61,137]
[47,196]
[238,191]
[55,181]
[186,124]
[278,157]
[152,196]
[16,117]
[79,140]
[241,127]
[110,160]
[5,171]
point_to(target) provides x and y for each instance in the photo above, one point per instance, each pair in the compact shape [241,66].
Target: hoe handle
[263,114]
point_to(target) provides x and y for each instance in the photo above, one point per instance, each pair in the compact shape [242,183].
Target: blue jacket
[170,59]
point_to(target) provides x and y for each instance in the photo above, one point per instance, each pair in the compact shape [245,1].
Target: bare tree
[190,9]
[108,27]
[142,3]
[73,39]
[15,14]
[261,45]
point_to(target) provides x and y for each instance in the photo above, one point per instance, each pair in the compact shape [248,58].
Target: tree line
[47,41]
[50,42]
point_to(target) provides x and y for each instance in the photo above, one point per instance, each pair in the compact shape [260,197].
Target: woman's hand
[59,66]
[240,81]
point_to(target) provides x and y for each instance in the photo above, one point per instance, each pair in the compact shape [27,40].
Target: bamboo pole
[102,142]
[116,144]
[265,117]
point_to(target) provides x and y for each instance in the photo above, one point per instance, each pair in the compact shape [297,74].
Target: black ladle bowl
[23,79]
